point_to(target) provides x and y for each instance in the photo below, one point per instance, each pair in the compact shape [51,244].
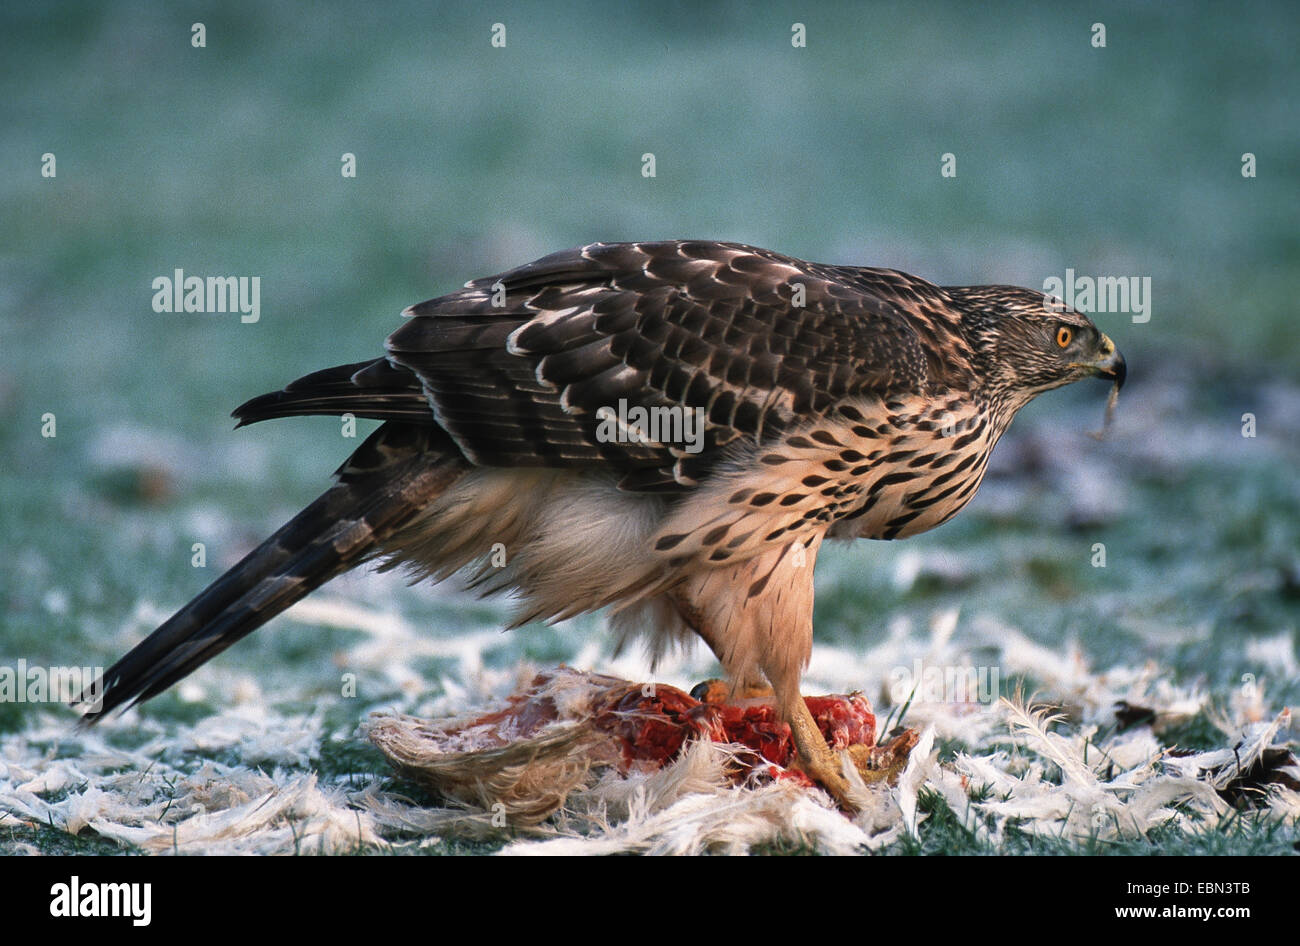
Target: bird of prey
[669,430]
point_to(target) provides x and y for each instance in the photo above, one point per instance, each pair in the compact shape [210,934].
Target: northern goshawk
[667,429]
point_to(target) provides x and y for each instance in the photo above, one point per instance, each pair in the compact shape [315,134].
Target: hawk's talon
[816,760]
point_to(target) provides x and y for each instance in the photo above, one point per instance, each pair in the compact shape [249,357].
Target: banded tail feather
[389,478]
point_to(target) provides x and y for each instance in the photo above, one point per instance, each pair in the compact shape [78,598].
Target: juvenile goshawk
[668,429]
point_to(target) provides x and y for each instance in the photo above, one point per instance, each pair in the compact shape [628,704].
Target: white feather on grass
[1077,779]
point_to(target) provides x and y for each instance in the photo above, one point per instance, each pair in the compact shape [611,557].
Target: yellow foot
[816,760]
[824,767]
[874,764]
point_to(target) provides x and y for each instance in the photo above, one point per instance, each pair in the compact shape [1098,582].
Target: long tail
[389,479]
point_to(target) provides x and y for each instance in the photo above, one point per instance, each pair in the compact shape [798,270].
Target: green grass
[52,841]
[945,833]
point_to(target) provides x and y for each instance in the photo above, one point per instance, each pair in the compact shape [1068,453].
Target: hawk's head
[1027,342]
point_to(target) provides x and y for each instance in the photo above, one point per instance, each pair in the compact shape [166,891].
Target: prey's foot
[885,762]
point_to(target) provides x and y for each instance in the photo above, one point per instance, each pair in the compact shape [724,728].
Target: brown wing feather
[517,365]
[374,389]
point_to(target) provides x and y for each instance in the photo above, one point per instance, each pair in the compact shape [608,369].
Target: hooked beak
[1111,365]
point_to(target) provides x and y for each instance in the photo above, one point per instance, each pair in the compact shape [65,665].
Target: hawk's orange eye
[1063,336]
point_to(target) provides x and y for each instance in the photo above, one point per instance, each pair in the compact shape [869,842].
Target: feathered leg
[756,616]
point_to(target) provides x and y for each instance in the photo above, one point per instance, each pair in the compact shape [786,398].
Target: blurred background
[225,160]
